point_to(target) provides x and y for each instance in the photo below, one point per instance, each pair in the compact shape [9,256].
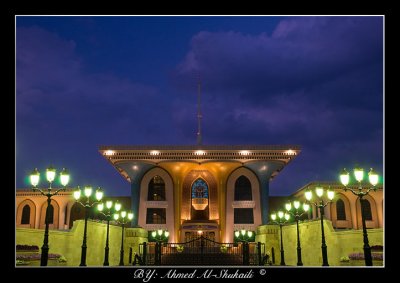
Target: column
[264,198]
[135,197]
[61,214]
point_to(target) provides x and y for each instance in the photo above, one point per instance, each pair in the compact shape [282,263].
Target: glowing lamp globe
[35,176]
[50,174]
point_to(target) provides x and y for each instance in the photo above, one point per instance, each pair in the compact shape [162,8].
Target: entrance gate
[201,251]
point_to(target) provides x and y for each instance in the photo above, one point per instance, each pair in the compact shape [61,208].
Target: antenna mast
[199,116]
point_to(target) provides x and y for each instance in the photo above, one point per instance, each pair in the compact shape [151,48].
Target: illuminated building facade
[187,190]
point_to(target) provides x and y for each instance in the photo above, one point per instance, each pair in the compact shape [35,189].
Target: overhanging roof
[153,155]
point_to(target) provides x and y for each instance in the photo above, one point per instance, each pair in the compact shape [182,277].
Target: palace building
[213,190]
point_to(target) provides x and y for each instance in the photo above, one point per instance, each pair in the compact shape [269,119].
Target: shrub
[359,256]
[36,256]
[377,248]
[344,259]
[179,248]
[27,248]
[224,249]
[62,259]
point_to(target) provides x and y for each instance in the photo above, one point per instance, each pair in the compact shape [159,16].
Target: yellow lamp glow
[99,194]
[359,174]
[64,177]
[373,177]
[331,194]
[123,214]
[50,174]
[77,194]
[344,177]
[118,206]
[287,216]
[100,206]
[280,214]
[237,234]
[243,232]
[109,204]
[159,232]
[308,194]
[88,191]
[319,191]
[154,234]
[250,234]
[288,206]
[273,216]
[130,215]
[116,216]
[296,204]
[166,234]
[35,176]
[306,206]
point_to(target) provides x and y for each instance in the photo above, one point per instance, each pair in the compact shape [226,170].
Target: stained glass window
[199,189]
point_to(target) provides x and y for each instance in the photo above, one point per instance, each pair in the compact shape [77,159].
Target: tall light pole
[50,176]
[297,215]
[361,192]
[282,219]
[87,205]
[321,203]
[107,214]
[123,220]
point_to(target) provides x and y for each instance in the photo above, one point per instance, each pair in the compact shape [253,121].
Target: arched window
[340,210]
[156,189]
[366,209]
[243,189]
[50,215]
[26,215]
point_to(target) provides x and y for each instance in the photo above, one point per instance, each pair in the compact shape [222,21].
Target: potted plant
[179,248]
[224,249]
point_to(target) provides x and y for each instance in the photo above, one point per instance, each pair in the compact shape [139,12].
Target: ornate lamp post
[50,175]
[321,205]
[160,235]
[282,219]
[87,205]
[243,235]
[296,213]
[123,220]
[361,192]
[107,214]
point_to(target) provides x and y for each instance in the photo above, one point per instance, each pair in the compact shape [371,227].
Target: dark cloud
[312,81]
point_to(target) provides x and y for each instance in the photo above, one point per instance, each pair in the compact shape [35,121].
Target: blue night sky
[82,82]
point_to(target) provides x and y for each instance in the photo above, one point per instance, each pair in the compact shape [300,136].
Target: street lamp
[160,235]
[50,176]
[321,205]
[361,192]
[243,235]
[297,215]
[87,204]
[107,214]
[282,219]
[122,221]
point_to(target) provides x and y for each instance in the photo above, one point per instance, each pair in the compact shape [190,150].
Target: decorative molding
[244,204]
[250,227]
[156,204]
[152,227]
